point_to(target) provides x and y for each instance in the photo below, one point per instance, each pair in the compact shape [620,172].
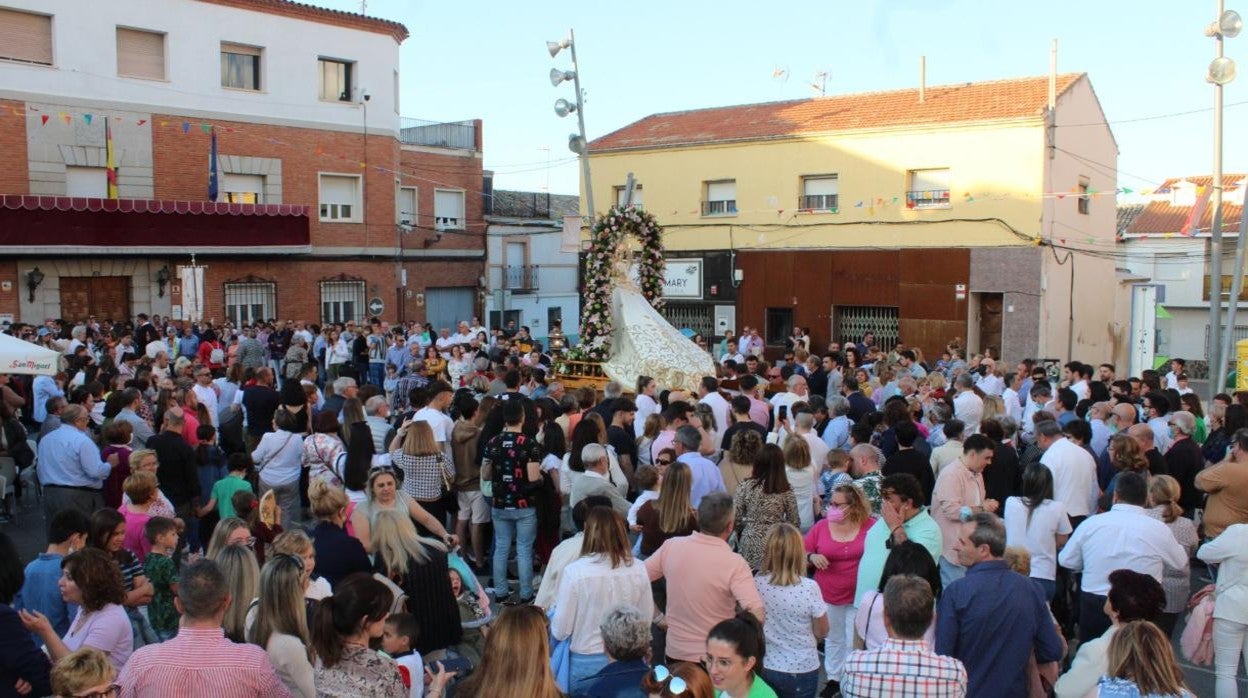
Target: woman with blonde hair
[670,515]
[796,617]
[517,655]
[84,672]
[801,476]
[649,432]
[229,531]
[238,564]
[1141,658]
[382,493]
[1163,492]
[340,554]
[605,576]
[762,500]
[296,543]
[427,472]
[738,460]
[835,547]
[1125,455]
[281,624]
[418,566]
[140,489]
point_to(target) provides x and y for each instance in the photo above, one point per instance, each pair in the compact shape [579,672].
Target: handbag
[450,500]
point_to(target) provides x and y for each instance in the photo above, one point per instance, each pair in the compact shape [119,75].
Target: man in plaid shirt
[904,667]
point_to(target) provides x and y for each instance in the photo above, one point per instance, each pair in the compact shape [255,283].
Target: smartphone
[783,413]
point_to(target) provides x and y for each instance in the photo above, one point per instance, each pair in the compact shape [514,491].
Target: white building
[1165,244]
[530,278]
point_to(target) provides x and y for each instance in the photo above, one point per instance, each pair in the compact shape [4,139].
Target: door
[105,297]
[447,306]
[990,317]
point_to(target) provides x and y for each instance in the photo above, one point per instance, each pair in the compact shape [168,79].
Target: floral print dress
[757,512]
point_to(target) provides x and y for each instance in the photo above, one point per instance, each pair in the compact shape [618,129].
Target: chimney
[1053,75]
[922,79]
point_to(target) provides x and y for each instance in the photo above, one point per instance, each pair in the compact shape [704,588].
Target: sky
[487,59]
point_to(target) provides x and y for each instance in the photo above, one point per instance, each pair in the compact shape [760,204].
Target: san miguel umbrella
[19,356]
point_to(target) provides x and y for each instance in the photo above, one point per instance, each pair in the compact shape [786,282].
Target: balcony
[818,202]
[928,198]
[719,208]
[460,135]
[521,278]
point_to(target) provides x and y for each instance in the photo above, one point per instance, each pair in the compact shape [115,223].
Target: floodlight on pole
[557,76]
[1227,25]
[556,46]
[577,142]
[1222,70]
[563,107]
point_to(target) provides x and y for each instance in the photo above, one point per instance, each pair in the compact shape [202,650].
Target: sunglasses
[663,461]
[111,692]
[676,686]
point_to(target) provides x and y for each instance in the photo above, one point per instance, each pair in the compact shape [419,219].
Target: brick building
[328,202]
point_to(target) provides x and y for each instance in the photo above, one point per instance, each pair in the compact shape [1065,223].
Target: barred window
[853,321]
[250,302]
[342,301]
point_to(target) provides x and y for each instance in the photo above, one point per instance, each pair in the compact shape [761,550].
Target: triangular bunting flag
[86,118]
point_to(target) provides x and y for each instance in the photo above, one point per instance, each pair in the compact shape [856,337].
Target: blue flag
[212,169]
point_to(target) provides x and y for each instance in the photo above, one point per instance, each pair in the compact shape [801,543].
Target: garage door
[445,307]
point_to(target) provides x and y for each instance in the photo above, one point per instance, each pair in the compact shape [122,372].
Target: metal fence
[520,277]
[699,318]
[852,321]
[456,134]
[249,302]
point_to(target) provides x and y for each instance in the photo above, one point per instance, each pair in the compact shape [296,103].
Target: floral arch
[608,257]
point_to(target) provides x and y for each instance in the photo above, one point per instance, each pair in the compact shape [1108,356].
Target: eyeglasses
[663,461]
[111,692]
[676,686]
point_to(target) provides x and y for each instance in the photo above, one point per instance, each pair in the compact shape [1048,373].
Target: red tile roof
[1161,216]
[1021,98]
[324,15]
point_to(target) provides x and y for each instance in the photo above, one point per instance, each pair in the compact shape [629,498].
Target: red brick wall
[15,176]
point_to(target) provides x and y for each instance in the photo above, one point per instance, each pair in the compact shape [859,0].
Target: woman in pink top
[140,490]
[834,546]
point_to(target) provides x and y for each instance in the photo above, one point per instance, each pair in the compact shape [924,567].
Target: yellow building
[963,211]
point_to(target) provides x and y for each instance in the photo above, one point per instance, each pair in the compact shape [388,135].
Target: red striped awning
[84,204]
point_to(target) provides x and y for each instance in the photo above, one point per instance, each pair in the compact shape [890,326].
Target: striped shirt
[902,669]
[200,662]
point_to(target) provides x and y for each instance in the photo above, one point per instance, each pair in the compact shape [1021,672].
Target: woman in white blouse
[605,576]
[1230,607]
[279,460]
[796,615]
[1039,523]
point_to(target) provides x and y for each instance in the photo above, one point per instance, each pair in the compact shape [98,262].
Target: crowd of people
[362,509]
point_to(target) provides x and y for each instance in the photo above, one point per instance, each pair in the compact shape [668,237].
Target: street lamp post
[1221,71]
[577,142]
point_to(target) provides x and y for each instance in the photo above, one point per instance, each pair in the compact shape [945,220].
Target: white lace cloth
[644,343]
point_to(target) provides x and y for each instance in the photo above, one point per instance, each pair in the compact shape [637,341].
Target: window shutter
[448,204]
[337,190]
[721,191]
[86,181]
[821,186]
[930,180]
[25,36]
[405,205]
[240,49]
[253,184]
[140,54]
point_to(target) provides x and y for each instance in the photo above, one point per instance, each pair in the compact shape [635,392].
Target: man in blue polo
[70,468]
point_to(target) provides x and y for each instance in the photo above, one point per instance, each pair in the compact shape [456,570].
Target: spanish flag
[110,166]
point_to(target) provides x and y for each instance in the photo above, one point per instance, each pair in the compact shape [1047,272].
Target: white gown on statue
[644,343]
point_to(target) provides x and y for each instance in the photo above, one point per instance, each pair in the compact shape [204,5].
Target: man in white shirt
[990,383]
[1009,394]
[797,392]
[477,328]
[646,404]
[1079,375]
[967,406]
[207,393]
[463,336]
[733,354]
[1074,470]
[1039,396]
[708,394]
[1156,413]
[445,342]
[434,412]
[1125,537]
[1177,366]
[1098,418]
[804,426]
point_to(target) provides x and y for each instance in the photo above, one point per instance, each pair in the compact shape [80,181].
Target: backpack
[400,597]
[217,356]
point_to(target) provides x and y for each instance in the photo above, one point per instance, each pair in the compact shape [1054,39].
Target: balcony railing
[448,223]
[520,277]
[456,134]
[927,198]
[726,207]
[818,202]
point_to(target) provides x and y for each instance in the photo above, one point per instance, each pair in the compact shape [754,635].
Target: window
[1084,200]
[721,198]
[340,198]
[448,209]
[554,316]
[342,301]
[240,66]
[140,54]
[851,322]
[928,189]
[86,181]
[243,189]
[25,37]
[250,302]
[819,193]
[622,192]
[336,80]
[405,206]
[779,325]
